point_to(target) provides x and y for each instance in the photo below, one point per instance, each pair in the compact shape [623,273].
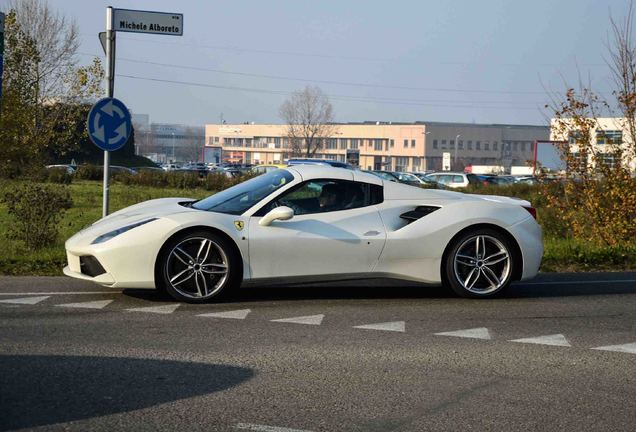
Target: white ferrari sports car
[311,223]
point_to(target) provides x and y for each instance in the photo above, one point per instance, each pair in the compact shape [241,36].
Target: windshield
[241,197]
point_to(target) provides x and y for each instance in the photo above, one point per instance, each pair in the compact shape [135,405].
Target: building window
[434,144]
[416,163]
[332,144]
[401,163]
[460,144]
[451,144]
[406,143]
[515,146]
[392,143]
[216,139]
[412,143]
[523,146]
[607,159]
[248,142]
[609,137]
[494,145]
[354,143]
[469,145]
[386,145]
[486,145]
[377,144]
[343,143]
[443,144]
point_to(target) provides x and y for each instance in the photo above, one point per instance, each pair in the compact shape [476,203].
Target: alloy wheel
[197,267]
[482,264]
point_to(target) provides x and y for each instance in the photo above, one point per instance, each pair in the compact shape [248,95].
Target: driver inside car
[329,197]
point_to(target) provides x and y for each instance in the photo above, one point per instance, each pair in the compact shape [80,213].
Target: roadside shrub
[59,175]
[183,180]
[36,210]
[89,172]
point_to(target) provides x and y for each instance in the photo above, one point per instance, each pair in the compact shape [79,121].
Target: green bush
[89,172]
[36,210]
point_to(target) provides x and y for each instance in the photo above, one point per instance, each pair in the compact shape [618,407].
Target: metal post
[110,78]
[456,145]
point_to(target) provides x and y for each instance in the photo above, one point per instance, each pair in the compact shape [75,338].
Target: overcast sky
[487,61]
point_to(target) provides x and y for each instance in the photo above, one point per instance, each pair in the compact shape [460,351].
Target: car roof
[308,172]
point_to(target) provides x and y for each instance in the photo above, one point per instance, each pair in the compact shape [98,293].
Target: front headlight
[109,235]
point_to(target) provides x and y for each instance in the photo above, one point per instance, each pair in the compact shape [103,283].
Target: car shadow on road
[39,390]
[544,286]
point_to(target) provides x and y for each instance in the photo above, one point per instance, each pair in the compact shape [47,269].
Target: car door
[345,237]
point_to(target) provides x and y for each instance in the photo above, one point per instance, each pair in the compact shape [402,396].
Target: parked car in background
[428,182]
[397,177]
[116,169]
[170,166]
[455,179]
[312,161]
[70,169]
[147,169]
[531,180]
[262,169]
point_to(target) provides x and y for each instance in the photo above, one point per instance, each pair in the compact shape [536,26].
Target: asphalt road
[74,356]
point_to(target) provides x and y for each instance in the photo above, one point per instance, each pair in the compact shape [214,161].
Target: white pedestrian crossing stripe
[396,326]
[235,314]
[472,333]
[25,300]
[100,304]
[309,319]
[165,309]
[553,340]
[625,348]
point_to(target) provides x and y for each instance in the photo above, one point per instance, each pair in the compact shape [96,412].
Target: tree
[309,118]
[598,199]
[44,91]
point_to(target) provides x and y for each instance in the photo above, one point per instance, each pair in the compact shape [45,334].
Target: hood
[155,208]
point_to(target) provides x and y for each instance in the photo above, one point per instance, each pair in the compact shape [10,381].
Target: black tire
[201,280]
[487,280]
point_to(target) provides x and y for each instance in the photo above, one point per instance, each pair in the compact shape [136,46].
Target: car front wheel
[479,264]
[197,267]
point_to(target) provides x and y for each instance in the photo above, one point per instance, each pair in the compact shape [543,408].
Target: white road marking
[473,333]
[396,326]
[554,340]
[265,428]
[625,348]
[309,319]
[60,293]
[25,300]
[165,309]
[235,314]
[100,304]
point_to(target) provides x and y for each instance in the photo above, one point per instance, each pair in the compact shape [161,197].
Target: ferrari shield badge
[239,224]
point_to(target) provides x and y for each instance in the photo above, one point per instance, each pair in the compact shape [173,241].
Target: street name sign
[136,21]
[109,124]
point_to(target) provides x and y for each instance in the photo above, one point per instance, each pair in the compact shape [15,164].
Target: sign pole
[1,54]
[110,77]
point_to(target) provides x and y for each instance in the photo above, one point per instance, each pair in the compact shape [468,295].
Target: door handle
[371,233]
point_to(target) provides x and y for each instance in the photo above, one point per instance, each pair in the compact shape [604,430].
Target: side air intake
[418,213]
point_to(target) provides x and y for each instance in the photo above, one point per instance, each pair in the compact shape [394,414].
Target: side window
[320,196]
[458,179]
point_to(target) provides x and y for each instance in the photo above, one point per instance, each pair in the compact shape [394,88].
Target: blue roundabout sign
[109,124]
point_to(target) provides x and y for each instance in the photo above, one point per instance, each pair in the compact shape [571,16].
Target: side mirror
[279,213]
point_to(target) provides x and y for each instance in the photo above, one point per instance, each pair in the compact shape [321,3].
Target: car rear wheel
[479,264]
[197,267]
